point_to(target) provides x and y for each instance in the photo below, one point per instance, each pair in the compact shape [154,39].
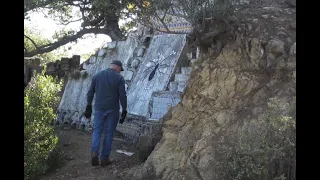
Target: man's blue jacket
[109,87]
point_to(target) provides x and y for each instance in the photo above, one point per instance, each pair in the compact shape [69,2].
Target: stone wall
[59,68]
[64,66]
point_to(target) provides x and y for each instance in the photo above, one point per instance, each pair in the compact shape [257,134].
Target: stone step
[181,77]
[186,70]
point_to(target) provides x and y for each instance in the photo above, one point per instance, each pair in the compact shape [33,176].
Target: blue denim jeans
[104,120]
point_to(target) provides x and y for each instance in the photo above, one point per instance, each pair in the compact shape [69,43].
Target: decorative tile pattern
[164,50]
[162,101]
[174,23]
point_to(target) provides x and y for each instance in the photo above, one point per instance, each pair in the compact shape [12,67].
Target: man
[108,87]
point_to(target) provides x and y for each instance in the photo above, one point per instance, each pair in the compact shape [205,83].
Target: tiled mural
[154,73]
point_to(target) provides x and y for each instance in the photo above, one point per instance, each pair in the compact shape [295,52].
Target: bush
[261,149]
[39,137]
[56,159]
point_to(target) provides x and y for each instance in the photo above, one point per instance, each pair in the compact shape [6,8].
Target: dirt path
[76,147]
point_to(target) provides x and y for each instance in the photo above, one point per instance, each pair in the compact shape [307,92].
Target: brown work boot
[94,159]
[105,162]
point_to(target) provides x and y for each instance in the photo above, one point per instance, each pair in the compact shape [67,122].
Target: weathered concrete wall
[74,98]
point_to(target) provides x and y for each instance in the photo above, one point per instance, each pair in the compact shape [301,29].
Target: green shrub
[39,137]
[261,149]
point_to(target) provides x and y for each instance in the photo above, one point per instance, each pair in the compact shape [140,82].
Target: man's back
[108,87]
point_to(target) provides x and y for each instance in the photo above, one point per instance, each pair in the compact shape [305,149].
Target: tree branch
[71,22]
[64,41]
[32,6]
[162,22]
[93,22]
[212,34]
[168,32]
[35,45]
[179,16]
[165,14]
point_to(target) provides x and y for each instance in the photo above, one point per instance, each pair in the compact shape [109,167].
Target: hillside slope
[237,117]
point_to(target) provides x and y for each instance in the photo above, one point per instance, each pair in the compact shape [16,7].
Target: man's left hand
[123,116]
[88,111]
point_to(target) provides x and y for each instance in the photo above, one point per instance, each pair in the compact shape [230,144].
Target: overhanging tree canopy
[97,17]
[102,16]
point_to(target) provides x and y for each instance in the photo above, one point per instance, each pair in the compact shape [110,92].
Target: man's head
[117,65]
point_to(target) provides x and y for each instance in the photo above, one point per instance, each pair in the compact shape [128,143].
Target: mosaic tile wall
[174,23]
[155,71]
[162,101]
[147,102]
